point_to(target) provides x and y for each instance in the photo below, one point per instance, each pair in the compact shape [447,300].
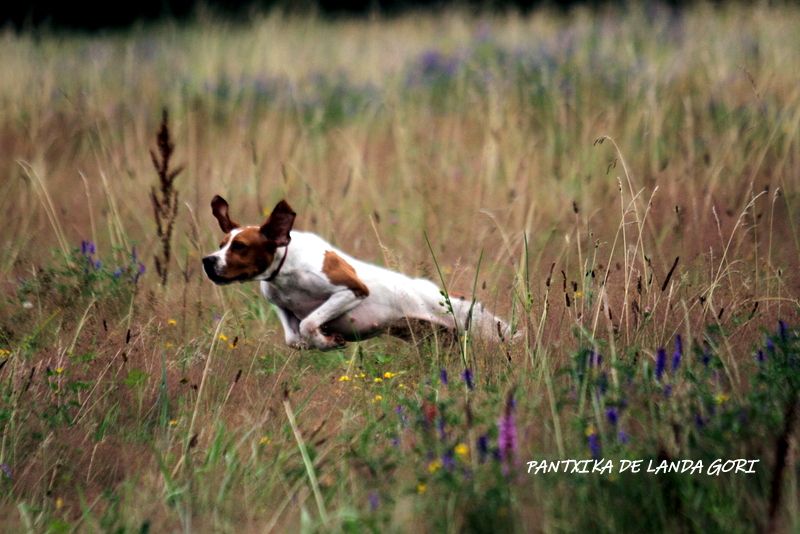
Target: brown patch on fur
[341,273]
[249,254]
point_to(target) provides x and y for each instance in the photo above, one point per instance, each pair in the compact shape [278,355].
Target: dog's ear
[219,207]
[279,224]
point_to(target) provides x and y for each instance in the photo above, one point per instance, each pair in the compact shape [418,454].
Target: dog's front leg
[337,304]
[291,327]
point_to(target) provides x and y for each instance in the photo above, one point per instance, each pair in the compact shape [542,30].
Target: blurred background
[86,15]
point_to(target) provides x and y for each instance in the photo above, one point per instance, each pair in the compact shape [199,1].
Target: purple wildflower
[602,383]
[668,391]
[760,358]
[595,359]
[483,447]
[395,442]
[594,444]
[484,32]
[97,265]
[374,500]
[440,425]
[433,63]
[139,272]
[401,414]
[507,427]
[623,437]
[742,416]
[699,422]
[676,356]
[782,331]
[6,471]
[87,248]
[612,415]
[661,363]
[706,358]
[443,376]
[467,377]
[117,273]
[448,461]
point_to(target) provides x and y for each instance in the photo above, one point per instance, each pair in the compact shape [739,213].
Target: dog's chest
[298,292]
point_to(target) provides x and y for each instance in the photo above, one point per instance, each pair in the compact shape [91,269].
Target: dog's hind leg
[475,317]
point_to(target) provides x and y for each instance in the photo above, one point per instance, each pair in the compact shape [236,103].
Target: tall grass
[620,183]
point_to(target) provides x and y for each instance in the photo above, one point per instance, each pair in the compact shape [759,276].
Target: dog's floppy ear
[219,207]
[279,224]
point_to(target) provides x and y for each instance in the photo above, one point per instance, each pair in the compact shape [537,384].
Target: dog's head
[247,252]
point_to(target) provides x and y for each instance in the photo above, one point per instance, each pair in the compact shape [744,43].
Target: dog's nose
[209,265]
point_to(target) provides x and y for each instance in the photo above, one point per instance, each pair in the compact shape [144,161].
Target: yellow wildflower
[231,346]
[578,294]
[462,451]
[168,345]
[344,378]
[377,398]
[378,380]
[721,398]
[5,353]
[590,430]
[422,488]
[223,337]
[59,370]
[389,374]
[361,375]
[434,466]
[173,422]
[172,322]
[59,503]
[264,440]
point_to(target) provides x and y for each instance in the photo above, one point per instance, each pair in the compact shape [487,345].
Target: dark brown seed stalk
[164,198]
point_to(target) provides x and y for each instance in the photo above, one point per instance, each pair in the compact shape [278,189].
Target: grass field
[622,185]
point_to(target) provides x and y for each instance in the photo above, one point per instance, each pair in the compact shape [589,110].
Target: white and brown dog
[324,297]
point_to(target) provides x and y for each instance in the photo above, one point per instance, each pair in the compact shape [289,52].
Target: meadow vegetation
[621,184]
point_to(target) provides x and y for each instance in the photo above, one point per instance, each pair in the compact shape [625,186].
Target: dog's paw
[328,342]
[298,344]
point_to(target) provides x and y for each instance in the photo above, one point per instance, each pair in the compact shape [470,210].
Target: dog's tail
[469,315]
[481,322]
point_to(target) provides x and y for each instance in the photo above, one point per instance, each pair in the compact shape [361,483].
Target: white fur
[221,254]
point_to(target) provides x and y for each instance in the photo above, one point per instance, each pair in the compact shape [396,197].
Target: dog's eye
[238,245]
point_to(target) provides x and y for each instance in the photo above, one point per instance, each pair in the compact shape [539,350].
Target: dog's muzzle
[210,267]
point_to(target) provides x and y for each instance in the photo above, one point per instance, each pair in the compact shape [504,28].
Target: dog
[324,297]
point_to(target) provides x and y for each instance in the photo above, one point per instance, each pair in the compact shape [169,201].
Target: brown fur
[249,255]
[341,273]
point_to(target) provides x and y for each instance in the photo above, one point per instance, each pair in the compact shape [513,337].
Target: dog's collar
[274,274]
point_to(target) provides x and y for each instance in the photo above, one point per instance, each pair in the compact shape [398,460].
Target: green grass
[557,165]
